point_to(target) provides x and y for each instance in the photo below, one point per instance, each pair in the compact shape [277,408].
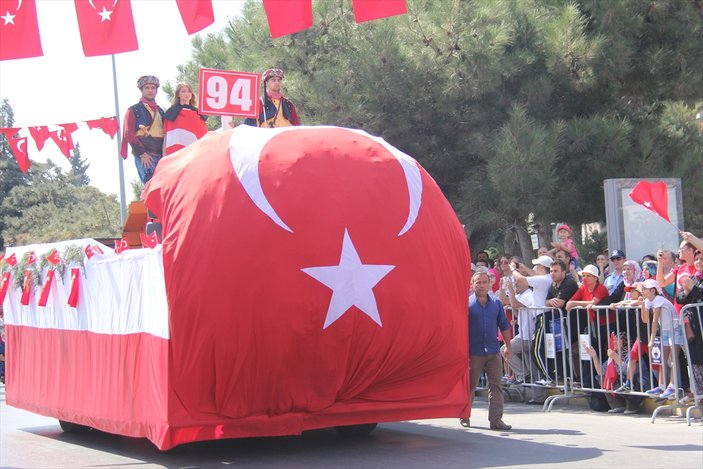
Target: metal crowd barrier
[691,314]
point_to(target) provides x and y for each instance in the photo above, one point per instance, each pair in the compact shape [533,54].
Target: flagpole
[123,203]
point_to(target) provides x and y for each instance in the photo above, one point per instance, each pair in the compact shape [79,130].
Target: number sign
[226,93]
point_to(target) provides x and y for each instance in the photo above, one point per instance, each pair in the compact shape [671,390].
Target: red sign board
[227,93]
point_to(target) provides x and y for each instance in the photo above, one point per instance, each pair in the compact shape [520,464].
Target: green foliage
[52,208]
[79,168]
[10,174]
[518,108]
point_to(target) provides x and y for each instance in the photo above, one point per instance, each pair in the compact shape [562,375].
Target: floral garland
[21,267]
[73,256]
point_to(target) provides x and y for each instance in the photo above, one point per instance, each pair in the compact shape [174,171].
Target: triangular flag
[58,136]
[109,125]
[54,257]
[40,134]
[653,196]
[9,132]
[11,259]
[18,147]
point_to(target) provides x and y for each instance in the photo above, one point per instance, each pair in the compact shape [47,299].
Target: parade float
[308,277]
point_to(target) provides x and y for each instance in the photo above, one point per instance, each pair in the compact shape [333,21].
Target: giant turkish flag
[315,276]
[106,26]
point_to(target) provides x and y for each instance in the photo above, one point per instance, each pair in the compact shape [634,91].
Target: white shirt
[668,315]
[540,285]
[526,317]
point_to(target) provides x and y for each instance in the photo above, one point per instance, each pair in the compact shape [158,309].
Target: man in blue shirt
[617,257]
[486,317]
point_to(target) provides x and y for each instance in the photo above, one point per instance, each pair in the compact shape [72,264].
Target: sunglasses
[618,258]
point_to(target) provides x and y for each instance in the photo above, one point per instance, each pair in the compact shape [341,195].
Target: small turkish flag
[19,30]
[68,130]
[4,284]
[106,26]
[288,16]
[27,288]
[121,246]
[46,289]
[653,196]
[54,257]
[108,125]
[11,259]
[19,150]
[367,10]
[32,258]
[196,14]
[150,241]
[89,251]
[75,283]
[97,249]
[40,134]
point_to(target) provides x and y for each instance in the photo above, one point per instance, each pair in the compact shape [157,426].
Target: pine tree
[10,174]
[79,168]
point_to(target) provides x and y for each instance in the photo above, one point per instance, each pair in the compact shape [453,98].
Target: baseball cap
[617,253]
[546,261]
[651,283]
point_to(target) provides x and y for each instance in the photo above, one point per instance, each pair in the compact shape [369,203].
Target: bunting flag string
[62,136]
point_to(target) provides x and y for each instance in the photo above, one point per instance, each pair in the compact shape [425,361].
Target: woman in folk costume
[183,124]
[277,110]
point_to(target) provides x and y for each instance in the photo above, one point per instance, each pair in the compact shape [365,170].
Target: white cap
[651,283]
[590,269]
[545,261]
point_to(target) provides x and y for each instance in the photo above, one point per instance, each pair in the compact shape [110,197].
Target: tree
[79,168]
[52,208]
[10,174]
[564,94]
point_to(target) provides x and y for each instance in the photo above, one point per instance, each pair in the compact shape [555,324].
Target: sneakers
[544,382]
[511,382]
[624,388]
[668,393]
[687,400]
[655,391]
[466,423]
[617,410]
[500,425]
[631,411]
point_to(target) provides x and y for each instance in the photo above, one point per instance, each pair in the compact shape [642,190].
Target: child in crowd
[664,314]
[566,243]
[640,349]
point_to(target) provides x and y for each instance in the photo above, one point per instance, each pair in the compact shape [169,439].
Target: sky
[65,86]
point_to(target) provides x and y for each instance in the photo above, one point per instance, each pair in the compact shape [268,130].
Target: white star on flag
[351,283]
[9,19]
[648,204]
[105,14]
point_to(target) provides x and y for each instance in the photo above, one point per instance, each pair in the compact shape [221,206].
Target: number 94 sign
[228,93]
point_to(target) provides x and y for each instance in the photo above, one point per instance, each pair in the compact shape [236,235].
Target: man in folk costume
[143,129]
[277,111]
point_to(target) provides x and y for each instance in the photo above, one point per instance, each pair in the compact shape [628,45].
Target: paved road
[568,436]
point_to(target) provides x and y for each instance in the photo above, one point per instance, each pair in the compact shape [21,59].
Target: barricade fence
[615,351]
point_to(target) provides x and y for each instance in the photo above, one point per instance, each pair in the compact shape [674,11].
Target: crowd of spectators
[656,287]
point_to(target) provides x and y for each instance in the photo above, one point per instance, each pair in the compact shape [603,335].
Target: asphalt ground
[569,436]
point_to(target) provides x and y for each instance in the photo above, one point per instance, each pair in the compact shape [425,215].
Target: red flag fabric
[109,125]
[27,288]
[184,130]
[11,259]
[288,214]
[40,134]
[97,249]
[611,373]
[46,288]
[89,251]
[288,16]
[32,258]
[4,285]
[58,136]
[367,10]
[18,147]
[68,130]
[106,26]
[149,241]
[54,257]
[75,283]
[196,14]
[9,132]
[653,196]
[121,246]
[19,30]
